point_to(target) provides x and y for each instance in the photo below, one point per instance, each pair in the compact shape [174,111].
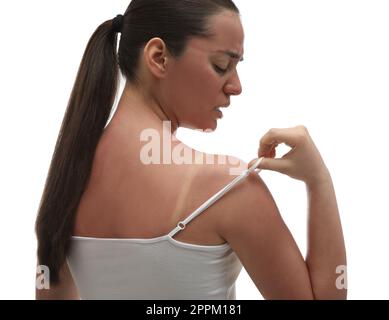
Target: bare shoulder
[222,168]
[250,221]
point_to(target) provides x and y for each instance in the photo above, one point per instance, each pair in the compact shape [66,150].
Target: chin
[206,126]
[213,127]
[210,126]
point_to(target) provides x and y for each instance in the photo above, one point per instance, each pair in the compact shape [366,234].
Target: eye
[220,70]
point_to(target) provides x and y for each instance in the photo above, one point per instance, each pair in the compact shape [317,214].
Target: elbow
[330,294]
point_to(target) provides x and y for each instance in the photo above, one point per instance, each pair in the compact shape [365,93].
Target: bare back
[127,199]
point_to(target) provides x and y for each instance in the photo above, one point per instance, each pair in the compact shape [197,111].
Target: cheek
[194,93]
[202,87]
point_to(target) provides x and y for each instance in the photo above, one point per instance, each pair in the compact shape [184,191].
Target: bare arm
[326,249]
[326,253]
[253,226]
[262,240]
[64,290]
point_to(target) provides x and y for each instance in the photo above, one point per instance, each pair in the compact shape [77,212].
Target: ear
[156,57]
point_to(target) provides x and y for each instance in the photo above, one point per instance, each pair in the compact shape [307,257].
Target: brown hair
[91,101]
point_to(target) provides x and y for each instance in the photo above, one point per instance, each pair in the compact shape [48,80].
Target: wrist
[321,179]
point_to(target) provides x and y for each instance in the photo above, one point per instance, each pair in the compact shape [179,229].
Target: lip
[220,114]
[225,105]
[218,109]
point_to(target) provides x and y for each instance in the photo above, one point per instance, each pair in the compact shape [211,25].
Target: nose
[233,85]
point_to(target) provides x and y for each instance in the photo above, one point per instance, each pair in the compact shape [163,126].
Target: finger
[263,164]
[276,136]
[252,162]
[267,151]
[255,164]
[279,165]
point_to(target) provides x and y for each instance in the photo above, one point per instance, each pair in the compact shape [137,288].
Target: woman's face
[205,77]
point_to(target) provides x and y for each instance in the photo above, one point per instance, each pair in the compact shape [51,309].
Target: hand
[302,162]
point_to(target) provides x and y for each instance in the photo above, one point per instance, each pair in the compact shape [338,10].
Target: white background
[323,64]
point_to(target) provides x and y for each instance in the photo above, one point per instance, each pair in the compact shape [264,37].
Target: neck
[137,105]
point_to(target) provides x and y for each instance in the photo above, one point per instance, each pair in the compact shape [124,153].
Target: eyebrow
[232,54]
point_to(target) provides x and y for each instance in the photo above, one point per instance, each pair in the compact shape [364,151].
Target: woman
[111,222]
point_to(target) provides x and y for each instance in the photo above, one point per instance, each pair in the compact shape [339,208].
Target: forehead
[227,36]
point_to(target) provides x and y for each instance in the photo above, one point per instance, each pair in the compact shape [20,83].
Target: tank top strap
[182,224]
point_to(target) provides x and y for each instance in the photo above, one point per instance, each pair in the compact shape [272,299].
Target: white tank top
[160,268]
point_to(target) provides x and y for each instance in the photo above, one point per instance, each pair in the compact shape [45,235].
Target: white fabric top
[160,268]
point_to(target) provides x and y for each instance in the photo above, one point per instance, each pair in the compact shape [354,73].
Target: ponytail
[86,115]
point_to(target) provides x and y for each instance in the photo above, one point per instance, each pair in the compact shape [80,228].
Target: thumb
[251,163]
[261,165]
[278,165]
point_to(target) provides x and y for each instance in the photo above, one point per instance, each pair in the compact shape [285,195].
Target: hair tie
[117,23]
